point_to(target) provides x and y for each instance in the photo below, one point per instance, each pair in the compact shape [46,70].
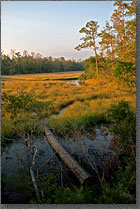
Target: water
[90,151]
[60,113]
[62,110]
[18,155]
[90,154]
[94,151]
[75,82]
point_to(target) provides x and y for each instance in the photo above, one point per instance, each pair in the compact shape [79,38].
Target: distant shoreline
[44,73]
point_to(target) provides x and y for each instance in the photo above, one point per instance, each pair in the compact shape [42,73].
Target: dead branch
[32,173]
[94,168]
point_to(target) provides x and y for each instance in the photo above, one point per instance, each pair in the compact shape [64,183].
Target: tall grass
[87,102]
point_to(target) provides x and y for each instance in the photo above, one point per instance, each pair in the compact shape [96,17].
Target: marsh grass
[43,77]
[86,104]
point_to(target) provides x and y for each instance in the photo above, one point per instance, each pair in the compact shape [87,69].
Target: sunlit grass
[43,76]
[86,104]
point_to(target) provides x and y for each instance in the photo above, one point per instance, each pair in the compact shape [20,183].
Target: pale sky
[50,28]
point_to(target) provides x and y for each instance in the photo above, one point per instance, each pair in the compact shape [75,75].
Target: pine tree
[89,40]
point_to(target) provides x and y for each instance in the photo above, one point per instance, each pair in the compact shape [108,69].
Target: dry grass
[43,76]
[91,99]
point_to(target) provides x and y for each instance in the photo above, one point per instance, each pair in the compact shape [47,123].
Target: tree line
[27,63]
[114,54]
[116,50]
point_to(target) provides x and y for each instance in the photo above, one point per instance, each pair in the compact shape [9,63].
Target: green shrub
[53,193]
[126,71]
[50,191]
[123,123]
[122,188]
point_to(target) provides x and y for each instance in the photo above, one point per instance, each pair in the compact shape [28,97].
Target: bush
[122,187]
[123,123]
[53,193]
[49,189]
[18,115]
[126,71]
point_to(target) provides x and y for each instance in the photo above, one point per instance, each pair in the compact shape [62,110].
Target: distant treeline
[36,63]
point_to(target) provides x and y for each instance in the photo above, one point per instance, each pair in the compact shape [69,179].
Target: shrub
[49,189]
[122,187]
[123,123]
[126,71]
[54,193]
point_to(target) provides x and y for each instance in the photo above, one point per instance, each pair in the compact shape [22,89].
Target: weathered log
[73,165]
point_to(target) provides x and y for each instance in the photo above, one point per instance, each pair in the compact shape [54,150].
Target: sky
[50,28]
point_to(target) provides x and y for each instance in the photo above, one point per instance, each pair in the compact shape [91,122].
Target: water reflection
[19,155]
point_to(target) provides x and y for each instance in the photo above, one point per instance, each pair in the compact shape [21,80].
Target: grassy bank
[98,100]
[86,104]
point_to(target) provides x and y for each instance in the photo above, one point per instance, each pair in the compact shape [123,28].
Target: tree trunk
[97,70]
[112,55]
[124,46]
[79,172]
[123,38]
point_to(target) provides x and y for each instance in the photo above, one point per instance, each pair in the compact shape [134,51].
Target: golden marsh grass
[82,101]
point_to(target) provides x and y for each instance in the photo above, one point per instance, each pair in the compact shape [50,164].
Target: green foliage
[16,103]
[55,194]
[123,123]
[82,78]
[24,102]
[126,71]
[118,56]
[18,114]
[89,39]
[68,126]
[90,69]
[15,127]
[20,184]
[124,25]
[50,191]
[35,63]
[117,42]
[122,188]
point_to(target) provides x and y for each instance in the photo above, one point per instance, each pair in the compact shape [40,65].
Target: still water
[90,150]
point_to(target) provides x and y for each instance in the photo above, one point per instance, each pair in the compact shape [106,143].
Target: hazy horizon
[50,28]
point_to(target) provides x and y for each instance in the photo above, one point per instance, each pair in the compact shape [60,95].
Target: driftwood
[32,173]
[73,165]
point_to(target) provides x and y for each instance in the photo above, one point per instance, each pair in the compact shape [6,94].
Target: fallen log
[73,165]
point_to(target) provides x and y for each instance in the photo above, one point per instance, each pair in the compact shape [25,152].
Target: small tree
[118,19]
[90,31]
[108,41]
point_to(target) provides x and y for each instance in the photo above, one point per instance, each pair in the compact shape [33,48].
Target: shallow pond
[90,152]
